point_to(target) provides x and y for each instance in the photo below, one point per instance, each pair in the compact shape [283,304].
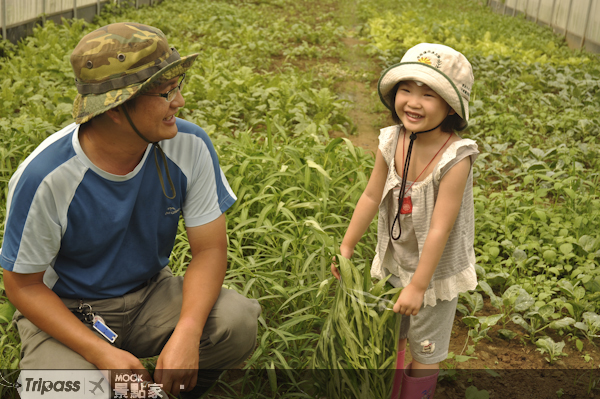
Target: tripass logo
[63,384]
[42,386]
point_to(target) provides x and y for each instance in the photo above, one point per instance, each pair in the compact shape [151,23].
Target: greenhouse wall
[18,17]
[577,20]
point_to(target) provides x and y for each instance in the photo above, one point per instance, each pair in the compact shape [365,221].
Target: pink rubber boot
[399,374]
[418,388]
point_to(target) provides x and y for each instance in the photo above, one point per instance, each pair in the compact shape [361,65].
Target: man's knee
[232,333]
[242,324]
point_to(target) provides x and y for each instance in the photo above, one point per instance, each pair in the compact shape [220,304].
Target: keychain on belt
[88,316]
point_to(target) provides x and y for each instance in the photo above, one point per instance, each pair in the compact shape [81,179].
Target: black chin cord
[413,137]
[162,153]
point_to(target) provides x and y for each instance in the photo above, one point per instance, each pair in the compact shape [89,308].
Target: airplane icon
[96,386]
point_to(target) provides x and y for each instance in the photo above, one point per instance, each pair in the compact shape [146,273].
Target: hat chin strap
[413,137]
[162,153]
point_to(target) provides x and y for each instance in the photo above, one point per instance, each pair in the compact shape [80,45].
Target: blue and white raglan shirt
[98,235]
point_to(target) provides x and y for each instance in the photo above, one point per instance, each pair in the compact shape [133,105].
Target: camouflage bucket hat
[118,61]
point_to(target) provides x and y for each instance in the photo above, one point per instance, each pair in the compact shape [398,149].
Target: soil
[505,369]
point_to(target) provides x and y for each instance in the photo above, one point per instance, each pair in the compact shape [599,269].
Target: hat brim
[428,75]
[85,107]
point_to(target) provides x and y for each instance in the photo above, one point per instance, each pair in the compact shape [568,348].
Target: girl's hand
[334,269]
[410,301]
[346,253]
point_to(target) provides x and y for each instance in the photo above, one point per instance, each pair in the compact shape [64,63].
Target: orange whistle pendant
[406,206]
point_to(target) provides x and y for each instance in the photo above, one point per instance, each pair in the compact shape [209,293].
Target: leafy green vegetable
[359,340]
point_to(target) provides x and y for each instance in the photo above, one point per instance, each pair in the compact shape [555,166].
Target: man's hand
[410,301]
[120,362]
[178,364]
[118,359]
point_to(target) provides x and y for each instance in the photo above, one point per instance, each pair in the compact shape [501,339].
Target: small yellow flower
[425,60]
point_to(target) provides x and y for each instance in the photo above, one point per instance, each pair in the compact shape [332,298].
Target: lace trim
[446,289]
[386,139]
[450,153]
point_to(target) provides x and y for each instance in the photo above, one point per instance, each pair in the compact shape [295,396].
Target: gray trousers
[144,321]
[429,331]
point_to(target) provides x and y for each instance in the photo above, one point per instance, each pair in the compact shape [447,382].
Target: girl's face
[419,107]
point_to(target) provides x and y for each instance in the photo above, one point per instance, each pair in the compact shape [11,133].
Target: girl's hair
[449,125]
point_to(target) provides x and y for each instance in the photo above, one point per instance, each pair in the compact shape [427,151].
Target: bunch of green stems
[355,356]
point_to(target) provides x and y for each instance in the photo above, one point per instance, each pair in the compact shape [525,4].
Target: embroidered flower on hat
[430,57]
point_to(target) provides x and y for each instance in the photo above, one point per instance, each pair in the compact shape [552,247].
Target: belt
[139,287]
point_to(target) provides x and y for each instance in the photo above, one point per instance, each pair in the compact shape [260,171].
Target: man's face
[154,116]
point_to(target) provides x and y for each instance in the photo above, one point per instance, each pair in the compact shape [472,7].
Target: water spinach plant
[356,352]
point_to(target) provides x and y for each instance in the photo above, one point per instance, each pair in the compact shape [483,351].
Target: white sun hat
[440,67]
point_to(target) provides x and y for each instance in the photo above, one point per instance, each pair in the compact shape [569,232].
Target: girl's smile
[419,107]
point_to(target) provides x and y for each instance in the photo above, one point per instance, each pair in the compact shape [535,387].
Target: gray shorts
[145,320]
[429,331]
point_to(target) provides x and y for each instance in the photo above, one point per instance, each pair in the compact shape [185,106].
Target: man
[92,217]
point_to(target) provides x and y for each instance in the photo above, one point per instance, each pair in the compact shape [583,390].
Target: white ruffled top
[455,271]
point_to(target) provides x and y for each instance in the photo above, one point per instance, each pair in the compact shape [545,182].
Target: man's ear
[115,115]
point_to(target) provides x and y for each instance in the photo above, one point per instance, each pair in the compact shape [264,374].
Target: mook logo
[61,384]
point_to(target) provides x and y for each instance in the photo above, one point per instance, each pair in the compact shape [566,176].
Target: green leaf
[494,252]
[462,309]
[593,286]
[566,248]
[494,300]
[492,372]
[272,377]
[571,193]
[473,393]
[471,321]
[324,286]
[7,310]
[474,301]
[462,358]
[519,255]
[541,215]
[319,168]
[587,243]
[488,321]
[518,320]
[562,323]
[546,311]
[496,278]
[524,301]
[549,256]
[333,143]
[506,334]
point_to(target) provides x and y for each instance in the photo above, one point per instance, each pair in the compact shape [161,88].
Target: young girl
[422,186]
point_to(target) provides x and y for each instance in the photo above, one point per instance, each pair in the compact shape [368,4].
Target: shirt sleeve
[35,226]
[208,192]
[461,150]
